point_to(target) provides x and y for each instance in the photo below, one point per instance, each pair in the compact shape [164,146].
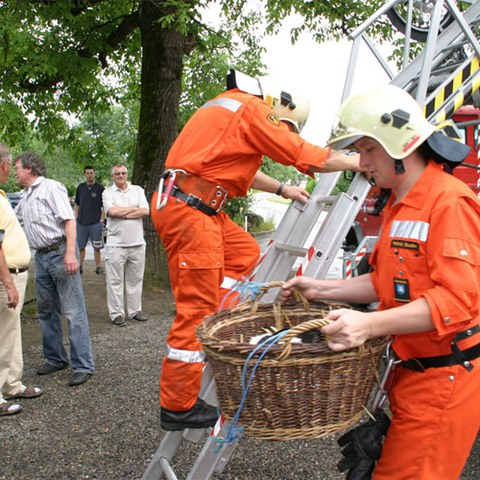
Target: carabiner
[163,196]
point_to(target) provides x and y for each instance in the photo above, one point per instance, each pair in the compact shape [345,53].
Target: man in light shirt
[49,224]
[125,206]
[14,257]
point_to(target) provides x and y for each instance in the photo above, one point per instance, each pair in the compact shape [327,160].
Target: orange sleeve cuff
[312,156]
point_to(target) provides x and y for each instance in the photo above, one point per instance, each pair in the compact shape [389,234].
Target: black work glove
[363,446]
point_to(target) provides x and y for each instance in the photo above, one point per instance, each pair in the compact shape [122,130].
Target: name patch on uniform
[405,244]
[401,289]
[272,118]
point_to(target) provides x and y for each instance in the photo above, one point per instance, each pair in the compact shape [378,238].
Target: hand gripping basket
[298,390]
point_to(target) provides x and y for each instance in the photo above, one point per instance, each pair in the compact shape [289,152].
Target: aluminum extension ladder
[313,233]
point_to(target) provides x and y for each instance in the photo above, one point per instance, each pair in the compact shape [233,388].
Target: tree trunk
[161,82]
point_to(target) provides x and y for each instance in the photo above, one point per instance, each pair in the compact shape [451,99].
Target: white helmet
[392,117]
[387,114]
[289,108]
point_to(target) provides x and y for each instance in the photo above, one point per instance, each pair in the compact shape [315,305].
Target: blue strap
[235,431]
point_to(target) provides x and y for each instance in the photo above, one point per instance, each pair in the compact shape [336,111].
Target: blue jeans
[58,292]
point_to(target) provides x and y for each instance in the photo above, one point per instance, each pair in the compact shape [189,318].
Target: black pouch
[362,447]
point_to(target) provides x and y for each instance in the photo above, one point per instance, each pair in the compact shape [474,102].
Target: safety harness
[195,191]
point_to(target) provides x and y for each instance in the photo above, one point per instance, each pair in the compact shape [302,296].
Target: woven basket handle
[295,331]
[277,284]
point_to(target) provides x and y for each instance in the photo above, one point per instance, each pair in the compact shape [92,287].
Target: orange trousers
[201,251]
[435,423]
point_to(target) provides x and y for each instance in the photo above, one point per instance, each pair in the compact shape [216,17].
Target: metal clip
[390,362]
[163,196]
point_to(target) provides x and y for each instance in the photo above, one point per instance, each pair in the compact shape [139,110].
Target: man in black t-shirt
[89,214]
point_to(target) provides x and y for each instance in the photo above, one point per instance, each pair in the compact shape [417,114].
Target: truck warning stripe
[459,83]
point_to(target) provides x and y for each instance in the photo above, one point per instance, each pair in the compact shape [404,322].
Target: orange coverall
[430,248]
[224,143]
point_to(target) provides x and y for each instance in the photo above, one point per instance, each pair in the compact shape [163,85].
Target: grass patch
[264,226]
[278,199]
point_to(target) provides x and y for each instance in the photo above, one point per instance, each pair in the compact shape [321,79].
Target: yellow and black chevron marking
[462,85]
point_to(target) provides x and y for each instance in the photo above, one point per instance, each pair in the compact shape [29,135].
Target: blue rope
[243,291]
[235,431]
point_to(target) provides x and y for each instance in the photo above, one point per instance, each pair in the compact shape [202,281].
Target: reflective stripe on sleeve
[228,103]
[410,229]
[187,356]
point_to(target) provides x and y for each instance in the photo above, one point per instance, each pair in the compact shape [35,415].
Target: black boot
[201,415]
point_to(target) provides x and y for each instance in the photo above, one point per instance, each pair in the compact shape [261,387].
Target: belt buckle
[220,191]
[193,200]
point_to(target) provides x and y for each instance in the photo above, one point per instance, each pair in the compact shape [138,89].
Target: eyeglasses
[117,174]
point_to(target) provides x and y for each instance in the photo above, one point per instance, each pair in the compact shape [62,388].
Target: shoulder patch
[272,118]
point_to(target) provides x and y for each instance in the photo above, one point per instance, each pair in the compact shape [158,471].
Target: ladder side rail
[379,57]
[373,18]
[429,53]
[460,69]
[326,243]
[326,246]
[160,462]
[214,456]
[298,217]
[275,266]
[328,239]
[294,228]
[449,107]
[352,65]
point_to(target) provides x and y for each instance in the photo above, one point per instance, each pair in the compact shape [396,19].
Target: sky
[318,72]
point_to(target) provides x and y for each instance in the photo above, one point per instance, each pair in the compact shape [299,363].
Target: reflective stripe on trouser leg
[186,356]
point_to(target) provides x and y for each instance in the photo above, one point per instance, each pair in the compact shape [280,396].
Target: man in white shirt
[49,223]
[125,206]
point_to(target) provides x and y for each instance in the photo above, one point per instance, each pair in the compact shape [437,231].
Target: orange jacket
[225,140]
[430,247]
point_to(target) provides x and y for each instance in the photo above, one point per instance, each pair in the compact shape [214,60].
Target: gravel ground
[108,428]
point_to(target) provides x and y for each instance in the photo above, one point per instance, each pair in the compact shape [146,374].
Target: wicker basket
[299,390]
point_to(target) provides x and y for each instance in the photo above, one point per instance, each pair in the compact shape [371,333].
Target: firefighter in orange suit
[426,276]
[216,157]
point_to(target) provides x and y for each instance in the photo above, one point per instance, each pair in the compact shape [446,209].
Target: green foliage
[280,172]
[342,184]
[105,139]
[237,208]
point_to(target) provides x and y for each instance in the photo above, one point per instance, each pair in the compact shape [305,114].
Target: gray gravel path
[108,428]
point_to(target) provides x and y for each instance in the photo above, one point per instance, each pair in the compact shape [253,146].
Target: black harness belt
[420,364]
[193,201]
[457,357]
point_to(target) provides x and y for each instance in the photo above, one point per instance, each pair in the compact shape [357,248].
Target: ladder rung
[291,249]
[167,470]
[328,199]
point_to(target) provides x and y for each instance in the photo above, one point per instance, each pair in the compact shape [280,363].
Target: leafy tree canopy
[64,57]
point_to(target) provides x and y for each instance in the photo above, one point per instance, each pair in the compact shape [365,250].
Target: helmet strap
[399,167]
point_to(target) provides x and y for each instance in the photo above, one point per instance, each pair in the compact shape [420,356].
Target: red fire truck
[362,235]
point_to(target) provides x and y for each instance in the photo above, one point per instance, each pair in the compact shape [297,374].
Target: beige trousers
[11,357]
[124,268]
